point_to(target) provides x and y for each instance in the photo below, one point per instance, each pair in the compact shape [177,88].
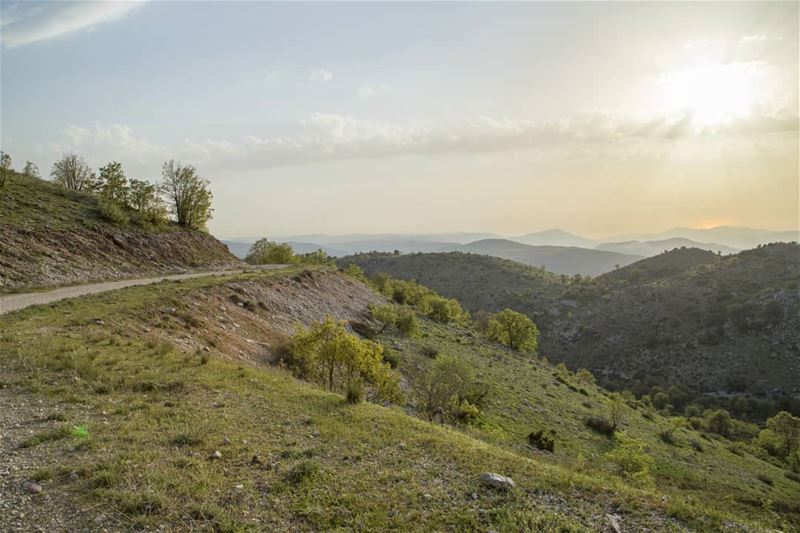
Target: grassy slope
[155,415]
[50,236]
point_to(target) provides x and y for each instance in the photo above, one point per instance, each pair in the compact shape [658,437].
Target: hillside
[161,383]
[53,236]
[558,259]
[651,248]
[719,326]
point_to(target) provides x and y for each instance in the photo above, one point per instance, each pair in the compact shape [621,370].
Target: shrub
[407,322]
[329,355]
[444,310]
[601,425]
[585,376]
[113,212]
[668,435]
[354,391]
[266,252]
[515,330]
[610,423]
[385,314]
[542,440]
[303,472]
[697,445]
[632,459]
[430,352]
[444,389]
[719,422]
[787,428]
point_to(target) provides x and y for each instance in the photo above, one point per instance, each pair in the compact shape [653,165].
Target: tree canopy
[187,193]
[515,330]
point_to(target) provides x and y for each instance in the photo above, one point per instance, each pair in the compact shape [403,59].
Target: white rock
[497,481]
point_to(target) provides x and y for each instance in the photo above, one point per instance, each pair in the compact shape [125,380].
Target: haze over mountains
[556,250]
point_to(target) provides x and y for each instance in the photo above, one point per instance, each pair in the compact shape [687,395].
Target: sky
[597,118]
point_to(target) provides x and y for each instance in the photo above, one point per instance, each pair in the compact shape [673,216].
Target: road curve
[15,302]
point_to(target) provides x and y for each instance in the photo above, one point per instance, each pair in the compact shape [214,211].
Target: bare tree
[5,167]
[72,172]
[187,193]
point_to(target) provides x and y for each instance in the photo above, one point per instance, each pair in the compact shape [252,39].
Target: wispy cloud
[368,91]
[320,75]
[327,137]
[30,22]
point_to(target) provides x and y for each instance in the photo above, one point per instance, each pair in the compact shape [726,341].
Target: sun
[711,93]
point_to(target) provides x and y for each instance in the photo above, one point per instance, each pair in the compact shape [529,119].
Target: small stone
[239,486]
[226,440]
[216,455]
[99,322]
[474,495]
[497,481]
[427,496]
[614,521]
[31,487]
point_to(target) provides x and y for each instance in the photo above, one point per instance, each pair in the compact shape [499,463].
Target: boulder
[497,481]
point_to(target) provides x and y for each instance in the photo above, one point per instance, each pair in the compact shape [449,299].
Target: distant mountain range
[555,249]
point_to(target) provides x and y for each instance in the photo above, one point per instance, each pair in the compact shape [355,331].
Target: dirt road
[15,302]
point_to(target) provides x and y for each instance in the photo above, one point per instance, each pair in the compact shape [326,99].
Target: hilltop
[51,236]
[719,326]
[174,373]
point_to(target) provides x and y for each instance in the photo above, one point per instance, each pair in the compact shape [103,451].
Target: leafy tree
[787,429]
[143,197]
[441,389]
[31,169]
[441,309]
[72,172]
[328,354]
[515,330]
[719,422]
[113,184]
[266,252]
[317,257]
[5,167]
[188,194]
[354,271]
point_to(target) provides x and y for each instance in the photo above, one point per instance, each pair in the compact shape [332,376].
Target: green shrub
[515,330]
[113,212]
[266,252]
[304,472]
[632,459]
[542,440]
[354,391]
[407,322]
[385,314]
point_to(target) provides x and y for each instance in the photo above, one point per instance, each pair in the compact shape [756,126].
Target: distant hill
[555,237]
[52,236]
[734,237]
[557,259]
[688,317]
[651,248]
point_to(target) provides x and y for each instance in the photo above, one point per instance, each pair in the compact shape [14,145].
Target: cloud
[368,91]
[30,22]
[324,137]
[320,75]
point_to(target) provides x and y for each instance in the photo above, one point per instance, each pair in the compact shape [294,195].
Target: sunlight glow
[713,93]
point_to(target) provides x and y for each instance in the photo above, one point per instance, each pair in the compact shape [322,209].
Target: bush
[385,314]
[542,440]
[445,390]
[430,352]
[407,322]
[719,422]
[113,212]
[601,425]
[632,459]
[354,391]
[585,376]
[329,355]
[266,252]
[515,330]
[303,472]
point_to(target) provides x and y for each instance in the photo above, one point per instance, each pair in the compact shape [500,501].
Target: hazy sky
[599,118]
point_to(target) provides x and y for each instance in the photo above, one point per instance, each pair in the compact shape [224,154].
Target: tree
[787,428]
[72,172]
[515,330]
[30,169]
[188,194]
[143,197]
[385,314]
[266,252]
[407,321]
[441,389]
[328,354]
[719,422]
[5,167]
[113,184]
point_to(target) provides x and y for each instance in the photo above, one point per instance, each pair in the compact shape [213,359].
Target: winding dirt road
[15,302]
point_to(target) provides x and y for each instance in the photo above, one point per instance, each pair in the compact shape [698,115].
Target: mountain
[385,240]
[651,248]
[557,259]
[50,236]
[716,325]
[177,409]
[555,237]
[734,237]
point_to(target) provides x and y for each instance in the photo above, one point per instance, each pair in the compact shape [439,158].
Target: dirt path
[16,302]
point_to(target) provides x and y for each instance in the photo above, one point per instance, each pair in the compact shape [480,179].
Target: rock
[216,455]
[474,496]
[31,487]
[226,440]
[497,481]
[614,521]
[99,322]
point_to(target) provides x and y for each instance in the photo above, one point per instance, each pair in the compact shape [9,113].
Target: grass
[298,458]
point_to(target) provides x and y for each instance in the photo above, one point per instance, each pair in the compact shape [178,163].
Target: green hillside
[720,327]
[139,388]
[50,236]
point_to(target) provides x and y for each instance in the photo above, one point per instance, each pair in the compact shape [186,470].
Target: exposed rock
[497,481]
[216,455]
[31,487]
